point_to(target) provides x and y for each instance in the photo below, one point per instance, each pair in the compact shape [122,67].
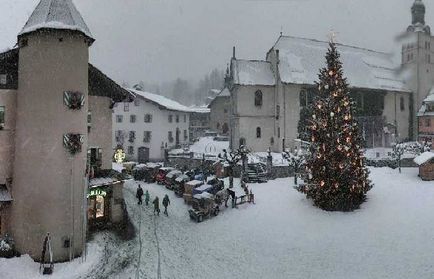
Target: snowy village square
[216,139]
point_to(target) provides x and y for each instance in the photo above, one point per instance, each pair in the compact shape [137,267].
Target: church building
[268,97]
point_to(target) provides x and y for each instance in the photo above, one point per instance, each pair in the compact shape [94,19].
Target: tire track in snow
[158,248]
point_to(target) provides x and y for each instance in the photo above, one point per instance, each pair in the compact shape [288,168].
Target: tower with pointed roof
[417,60]
[52,103]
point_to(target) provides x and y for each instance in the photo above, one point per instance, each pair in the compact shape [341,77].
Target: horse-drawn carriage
[204,207]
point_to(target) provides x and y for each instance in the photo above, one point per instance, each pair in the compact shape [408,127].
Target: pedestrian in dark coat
[156,203]
[147,197]
[139,194]
[166,203]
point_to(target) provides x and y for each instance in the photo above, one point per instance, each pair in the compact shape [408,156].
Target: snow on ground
[281,236]
[284,236]
[24,267]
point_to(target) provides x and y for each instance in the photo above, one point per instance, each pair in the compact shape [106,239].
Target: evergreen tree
[338,178]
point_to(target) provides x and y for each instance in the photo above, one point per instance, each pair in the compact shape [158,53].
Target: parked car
[179,184]
[204,206]
[160,177]
[145,172]
[170,178]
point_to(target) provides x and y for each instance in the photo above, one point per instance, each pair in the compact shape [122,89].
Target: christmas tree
[338,178]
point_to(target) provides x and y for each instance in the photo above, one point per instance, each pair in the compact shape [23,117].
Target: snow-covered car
[170,178]
[160,177]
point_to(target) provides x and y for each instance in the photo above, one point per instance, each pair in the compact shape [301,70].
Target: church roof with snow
[56,14]
[301,59]
[160,101]
[253,72]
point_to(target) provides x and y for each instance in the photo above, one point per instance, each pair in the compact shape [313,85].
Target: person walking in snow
[147,197]
[156,203]
[251,197]
[139,194]
[166,203]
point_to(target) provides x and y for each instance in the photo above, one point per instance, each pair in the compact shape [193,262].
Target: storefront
[104,202]
[98,202]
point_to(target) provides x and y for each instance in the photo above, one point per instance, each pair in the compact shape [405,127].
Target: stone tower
[417,59]
[51,126]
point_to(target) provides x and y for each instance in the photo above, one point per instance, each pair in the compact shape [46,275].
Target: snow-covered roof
[200,109]
[224,93]
[423,158]
[5,196]
[253,72]
[301,60]
[56,14]
[160,100]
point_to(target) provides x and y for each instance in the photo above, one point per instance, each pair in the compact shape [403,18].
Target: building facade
[220,111]
[150,126]
[199,122]
[45,98]
[267,97]
[426,120]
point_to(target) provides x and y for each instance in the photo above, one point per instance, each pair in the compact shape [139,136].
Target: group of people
[156,201]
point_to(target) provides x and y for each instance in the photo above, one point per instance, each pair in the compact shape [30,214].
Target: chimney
[233,52]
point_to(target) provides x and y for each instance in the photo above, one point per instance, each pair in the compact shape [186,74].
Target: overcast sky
[160,40]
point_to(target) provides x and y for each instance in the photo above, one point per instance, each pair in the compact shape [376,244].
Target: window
[272,140]
[242,141]
[402,104]
[95,157]
[132,118]
[126,107]
[277,112]
[185,118]
[89,121]
[428,122]
[258,132]
[2,117]
[147,136]
[225,128]
[258,98]
[3,79]
[185,135]
[303,98]
[170,118]
[132,136]
[278,132]
[225,110]
[136,102]
[130,150]
[148,118]
[177,118]
[170,136]
[119,118]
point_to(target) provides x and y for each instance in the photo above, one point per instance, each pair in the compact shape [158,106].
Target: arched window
[258,98]
[242,141]
[402,104]
[225,128]
[258,132]
[272,141]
